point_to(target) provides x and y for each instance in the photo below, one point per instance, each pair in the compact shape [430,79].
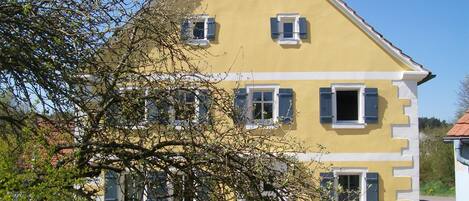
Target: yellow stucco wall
[243,42]
[307,127]
[335,44]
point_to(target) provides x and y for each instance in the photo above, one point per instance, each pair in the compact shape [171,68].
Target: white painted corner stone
[408,90]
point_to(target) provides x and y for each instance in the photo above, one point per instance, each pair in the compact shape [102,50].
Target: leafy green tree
[436,157]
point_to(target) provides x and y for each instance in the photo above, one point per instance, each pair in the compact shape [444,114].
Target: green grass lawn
[436,188]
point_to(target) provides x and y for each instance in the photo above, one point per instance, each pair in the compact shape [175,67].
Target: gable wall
[243,39]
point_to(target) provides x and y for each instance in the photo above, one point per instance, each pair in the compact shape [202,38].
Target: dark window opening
[288,30]
[199,30]
[350,187]
[347,105]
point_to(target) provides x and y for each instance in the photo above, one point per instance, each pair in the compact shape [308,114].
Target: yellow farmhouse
[352,91]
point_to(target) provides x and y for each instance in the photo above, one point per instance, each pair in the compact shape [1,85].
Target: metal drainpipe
[459,157]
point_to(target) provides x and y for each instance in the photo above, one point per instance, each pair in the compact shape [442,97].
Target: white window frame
[180,123]
[361,172]
[198,42]
[360,123]
[145,109]
[289,18]
[262,87]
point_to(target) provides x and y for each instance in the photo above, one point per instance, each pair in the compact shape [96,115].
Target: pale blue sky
[434,33]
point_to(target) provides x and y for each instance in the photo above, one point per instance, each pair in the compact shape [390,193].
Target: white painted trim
[351,157]
[199,42]
[407,90]
[352,171]
[360,123]
[378,38]
[250,88]
[262,76]
[293,18]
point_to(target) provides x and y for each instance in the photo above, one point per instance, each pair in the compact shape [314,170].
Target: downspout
[458,150]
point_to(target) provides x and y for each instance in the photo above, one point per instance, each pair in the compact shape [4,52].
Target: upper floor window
[198,30]
[288,28]
[263,105]
[185,108]
[348,105]
[140,107]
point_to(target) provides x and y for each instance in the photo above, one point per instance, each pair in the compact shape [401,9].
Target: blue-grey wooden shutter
[325,96]
[241,101]
[185,29]
[158,109]
[327,185]
[372,184]
[111,186]
[211,28]
[274,28]
[371,105]
[204,105]
[303,28]
[285,111]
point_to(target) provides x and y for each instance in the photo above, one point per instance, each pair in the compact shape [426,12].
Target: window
[288,28]
[151,106]
[349,186]
[198,30]
[186,188]
[262,104]
[185,108]
[349,105]
[128,111]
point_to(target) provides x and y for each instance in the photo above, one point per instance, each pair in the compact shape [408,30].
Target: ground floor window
[349,187]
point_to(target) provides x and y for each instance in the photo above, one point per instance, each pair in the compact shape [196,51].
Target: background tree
[83,72]
[463,97]
[436,158]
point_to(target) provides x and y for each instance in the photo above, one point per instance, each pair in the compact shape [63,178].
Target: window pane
[199,30]
[354,182]
[257,96]
[268,96]
[268,111]
[347,105]
[257,112]
[190,97]
[350,187]
[343,181]
[184,111]
[288,30]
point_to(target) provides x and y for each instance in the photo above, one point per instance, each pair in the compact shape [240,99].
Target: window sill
[252,126]
[198,42]
[288,41]
[348,125]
